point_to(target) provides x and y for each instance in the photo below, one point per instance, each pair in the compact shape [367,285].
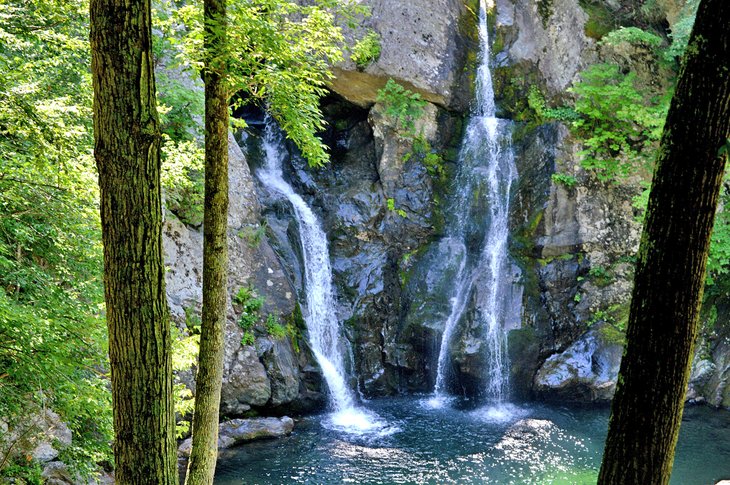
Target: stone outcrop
[574,244]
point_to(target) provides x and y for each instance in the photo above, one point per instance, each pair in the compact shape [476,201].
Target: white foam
[359,422]
[437,401]
[499,413]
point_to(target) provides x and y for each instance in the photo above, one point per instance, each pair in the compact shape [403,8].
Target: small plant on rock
[250,305]
[366,50]
[401,104]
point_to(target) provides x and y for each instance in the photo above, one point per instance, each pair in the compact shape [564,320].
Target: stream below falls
[529,444]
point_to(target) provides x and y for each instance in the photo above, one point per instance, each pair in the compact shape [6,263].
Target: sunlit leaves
[52,343]
[279,54]
[618,123]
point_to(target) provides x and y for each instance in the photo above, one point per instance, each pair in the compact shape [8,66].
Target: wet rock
[238,431]
[702,372]
[710,378]
[586,371]
[252,262]
[282,369]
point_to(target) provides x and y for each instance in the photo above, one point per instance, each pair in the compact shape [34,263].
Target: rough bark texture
[647,408]
[127,143]
[201,467]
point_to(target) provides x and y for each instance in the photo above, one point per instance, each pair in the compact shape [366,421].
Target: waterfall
[486,171]
[319,305]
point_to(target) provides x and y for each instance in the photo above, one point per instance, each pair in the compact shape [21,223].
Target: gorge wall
[572,246]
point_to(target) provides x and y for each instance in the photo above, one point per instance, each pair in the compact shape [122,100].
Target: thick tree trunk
[127,143]
[670,273]
[201,467]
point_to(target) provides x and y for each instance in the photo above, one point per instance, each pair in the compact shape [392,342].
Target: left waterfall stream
[318,301]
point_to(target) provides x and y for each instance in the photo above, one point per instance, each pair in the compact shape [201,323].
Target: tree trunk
[670,272]
[127,144]
[201,467]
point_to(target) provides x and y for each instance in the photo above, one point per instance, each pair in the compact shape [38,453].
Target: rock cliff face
[383,213]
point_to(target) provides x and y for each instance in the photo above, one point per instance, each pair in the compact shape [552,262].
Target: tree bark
[201,467]
[127,144]
[669,282]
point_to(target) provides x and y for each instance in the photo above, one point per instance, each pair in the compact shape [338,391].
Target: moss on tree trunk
[127,151]
[201,467]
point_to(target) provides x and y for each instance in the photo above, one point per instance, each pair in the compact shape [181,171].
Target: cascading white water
[487,168]
[319,308]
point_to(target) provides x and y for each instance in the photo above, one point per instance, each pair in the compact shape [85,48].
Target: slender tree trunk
[201,467]
[670,273]
[127,144]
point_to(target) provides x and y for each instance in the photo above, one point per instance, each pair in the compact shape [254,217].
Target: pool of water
[455,443]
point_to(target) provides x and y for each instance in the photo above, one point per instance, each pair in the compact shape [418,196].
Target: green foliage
[619,124]
[184,356]
[402,105]
[718,261]
[423,152]
[564,179]
[536,102]
[545,9]
[250,306]
[52,332]
[640,201]
[182,179]
[254,234]
[601,19]
[632,35]
[366,50]
[616,316]
[23,472]
[279,54]
[274,328]
[681,30]
[391,207]
[600,276]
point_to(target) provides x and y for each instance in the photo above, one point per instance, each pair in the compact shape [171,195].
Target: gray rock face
[425,44]
[56,473]
[554,42]
[247,383]
[237,431]
[41,436]
[710,378]
[586,371]
[376,202]
[576,246]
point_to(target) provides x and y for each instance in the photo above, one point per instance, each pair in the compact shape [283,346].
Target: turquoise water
[533,444]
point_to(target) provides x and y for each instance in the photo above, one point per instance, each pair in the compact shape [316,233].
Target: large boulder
[587,371]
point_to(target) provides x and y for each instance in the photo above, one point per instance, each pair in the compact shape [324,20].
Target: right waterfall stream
[482,287]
